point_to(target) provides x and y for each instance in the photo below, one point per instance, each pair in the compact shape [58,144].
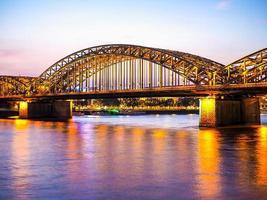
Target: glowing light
[23,109]
[208,104]
[23,104]
[263,134]
[208,111]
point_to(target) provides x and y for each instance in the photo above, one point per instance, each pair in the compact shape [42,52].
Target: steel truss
[122,67]
[249,69]
[16,85]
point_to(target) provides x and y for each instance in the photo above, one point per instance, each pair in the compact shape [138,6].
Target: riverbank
[133,112]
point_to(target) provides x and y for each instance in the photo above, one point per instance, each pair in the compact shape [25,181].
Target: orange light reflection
[262,156]
[208,164]
[20,158]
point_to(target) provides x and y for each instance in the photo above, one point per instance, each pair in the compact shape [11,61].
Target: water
[135,157]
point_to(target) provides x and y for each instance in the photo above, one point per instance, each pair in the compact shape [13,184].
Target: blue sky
[35,34]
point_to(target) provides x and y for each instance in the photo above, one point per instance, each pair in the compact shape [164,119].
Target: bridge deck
[178,91]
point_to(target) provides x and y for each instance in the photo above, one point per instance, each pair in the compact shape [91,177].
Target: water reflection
[74,143]
[209,164]
[20,169]
[98,160]
[261,152]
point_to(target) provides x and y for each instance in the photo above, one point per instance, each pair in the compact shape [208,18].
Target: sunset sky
[35,34]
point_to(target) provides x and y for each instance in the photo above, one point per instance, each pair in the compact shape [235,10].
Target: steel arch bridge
[249,69]
[129,68]
[13,85]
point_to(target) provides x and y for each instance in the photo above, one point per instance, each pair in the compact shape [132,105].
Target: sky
[34,34]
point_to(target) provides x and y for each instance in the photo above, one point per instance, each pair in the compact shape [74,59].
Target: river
[131,157]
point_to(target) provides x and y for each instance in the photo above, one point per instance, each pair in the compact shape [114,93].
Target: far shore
[135,112]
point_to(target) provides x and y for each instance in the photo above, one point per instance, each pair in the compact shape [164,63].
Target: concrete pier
[60,110]
[219,112]
[251,110]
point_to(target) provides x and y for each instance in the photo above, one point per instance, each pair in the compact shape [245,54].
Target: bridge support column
[251,111]
[61,110]
[220,112]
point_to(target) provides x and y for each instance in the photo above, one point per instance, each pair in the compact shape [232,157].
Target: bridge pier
[216,112]
[61,110]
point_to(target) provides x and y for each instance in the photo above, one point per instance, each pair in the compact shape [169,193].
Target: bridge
[228,92]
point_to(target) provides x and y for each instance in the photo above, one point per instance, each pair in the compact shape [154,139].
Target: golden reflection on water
[208,154]
[73,141]
[117,141]
[102,148]
[159,166]
[138,137]
[138,151]
[184,150]
[129,154]
[60,127]
[138,141]
[119,152]
[158,136]
[21,124]
[182,143]
[262,156]
[74,153]
[242,162]
[101,131]
[20,157]
[119,133]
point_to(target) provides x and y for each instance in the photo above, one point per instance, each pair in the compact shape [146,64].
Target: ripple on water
[134,157]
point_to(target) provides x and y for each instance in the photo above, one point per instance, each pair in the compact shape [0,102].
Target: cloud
[223,4]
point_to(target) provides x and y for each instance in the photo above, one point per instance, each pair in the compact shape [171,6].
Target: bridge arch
[249,69]
[71,73]
[196,70]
